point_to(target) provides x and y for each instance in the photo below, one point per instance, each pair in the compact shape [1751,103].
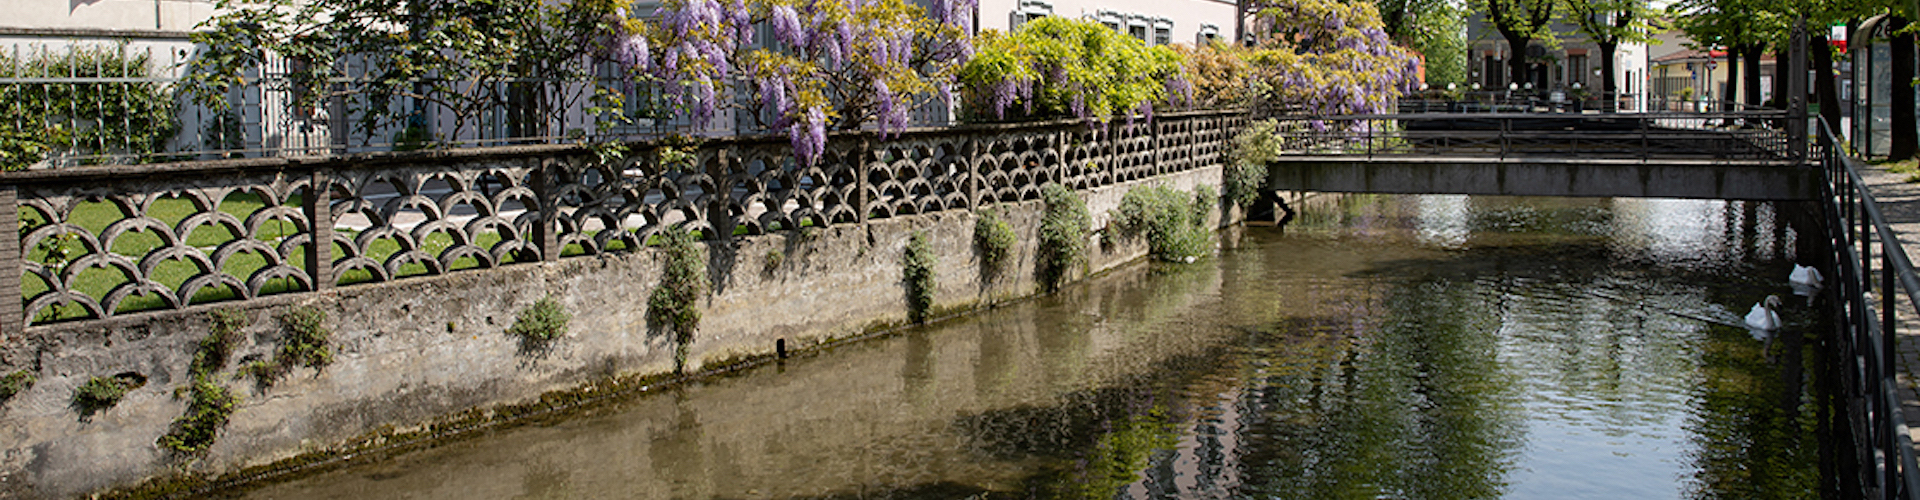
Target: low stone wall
[415,351]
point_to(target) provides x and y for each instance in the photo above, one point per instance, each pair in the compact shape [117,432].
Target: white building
[1156,22]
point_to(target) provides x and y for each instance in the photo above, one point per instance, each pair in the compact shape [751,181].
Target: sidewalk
[1900,204]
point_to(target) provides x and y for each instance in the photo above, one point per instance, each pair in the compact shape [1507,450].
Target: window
[1162,31]
[1112,20]
[1029,10]
[1137,28]
[1208,34]
[1577,69]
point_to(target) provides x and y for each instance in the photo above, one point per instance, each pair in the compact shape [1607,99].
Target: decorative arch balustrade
[96,243]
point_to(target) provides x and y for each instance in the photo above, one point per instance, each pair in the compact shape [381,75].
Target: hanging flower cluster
[1054,66]
[826,63]
[1329,57]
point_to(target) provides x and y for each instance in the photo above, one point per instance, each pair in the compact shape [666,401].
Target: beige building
[1156,22]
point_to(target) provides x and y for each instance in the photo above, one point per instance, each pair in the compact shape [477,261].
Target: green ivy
[674,302]
[213,350]
[918,262]
[1246,170]
[1173,223]
[119,118]
[994,238]
[1063,235]
[543,321]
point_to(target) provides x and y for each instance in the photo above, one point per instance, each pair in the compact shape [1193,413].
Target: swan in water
[1805,280]
[1762,318]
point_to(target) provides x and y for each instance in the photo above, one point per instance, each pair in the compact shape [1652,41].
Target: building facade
[1570,63]
[1154,22]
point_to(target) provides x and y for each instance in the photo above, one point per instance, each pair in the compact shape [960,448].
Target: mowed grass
[97,281]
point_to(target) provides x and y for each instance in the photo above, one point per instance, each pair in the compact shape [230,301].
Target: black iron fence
[1741,136]
[1867,325]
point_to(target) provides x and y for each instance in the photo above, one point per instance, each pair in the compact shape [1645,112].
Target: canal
[1424,347]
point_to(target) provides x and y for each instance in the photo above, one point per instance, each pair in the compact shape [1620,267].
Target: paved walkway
[1900,203]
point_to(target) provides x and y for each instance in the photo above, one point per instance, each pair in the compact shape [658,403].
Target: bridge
[1742,155]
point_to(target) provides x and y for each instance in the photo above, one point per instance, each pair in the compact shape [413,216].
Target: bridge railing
[1868,330]
[1743,136]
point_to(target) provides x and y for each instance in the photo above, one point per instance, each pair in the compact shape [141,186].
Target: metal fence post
[319,208]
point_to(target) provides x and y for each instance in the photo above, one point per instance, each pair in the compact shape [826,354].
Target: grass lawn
[96,282]
[1908,169]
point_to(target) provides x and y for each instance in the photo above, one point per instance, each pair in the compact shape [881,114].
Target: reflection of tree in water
[1753,439]
[1403,398]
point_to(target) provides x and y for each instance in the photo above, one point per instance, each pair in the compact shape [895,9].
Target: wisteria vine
[1054,66]
[829,63]
[1329,57]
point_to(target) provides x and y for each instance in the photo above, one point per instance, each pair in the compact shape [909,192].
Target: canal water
[1431,347]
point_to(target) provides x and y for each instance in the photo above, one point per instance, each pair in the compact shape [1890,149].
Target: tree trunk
[1780,74]
[1517,63]
[1730,91]
[1750,60]
[1905,142]
[1820,61]
[1609,92]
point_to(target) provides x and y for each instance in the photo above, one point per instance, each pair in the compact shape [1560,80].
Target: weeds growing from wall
[101,393]
[305,341]
[674,302]
[1246,170]
[541,322]
[209,406]
[1063,235]
[993,238]
[772,262]
[917,263]
[15,383]
[1174,223]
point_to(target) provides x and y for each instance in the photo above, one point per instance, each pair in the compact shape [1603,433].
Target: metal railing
[1866,340]
[1736,136]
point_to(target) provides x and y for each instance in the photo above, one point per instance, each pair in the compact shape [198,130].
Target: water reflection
[1383,347]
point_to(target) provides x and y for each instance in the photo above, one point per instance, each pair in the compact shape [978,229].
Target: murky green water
[1382,347]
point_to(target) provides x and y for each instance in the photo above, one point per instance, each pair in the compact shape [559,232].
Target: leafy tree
[1520,22]
[120,118]
[829,64]
[1610,23]
[1328,57]
[452,55]
[1434,28]
[1057,66]
[1219,73]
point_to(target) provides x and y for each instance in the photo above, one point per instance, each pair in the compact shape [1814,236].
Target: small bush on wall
[918,262]
[1063,235]
[543,321]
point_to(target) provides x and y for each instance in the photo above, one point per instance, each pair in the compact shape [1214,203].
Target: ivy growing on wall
[673,305]
[1063,235]
[1172,222]
[1246,170]
[87,118]
[917,263]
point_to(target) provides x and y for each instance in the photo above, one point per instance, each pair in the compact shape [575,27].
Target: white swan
[1805,280]
[1762,318]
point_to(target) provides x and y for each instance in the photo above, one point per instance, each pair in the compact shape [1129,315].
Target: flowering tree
[1055,66]
[1329,57]
[829,63]
[1219,72]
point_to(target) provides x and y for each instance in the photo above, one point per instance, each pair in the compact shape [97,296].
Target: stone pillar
[720,201]
[545,228]
[13,316]
[319,208]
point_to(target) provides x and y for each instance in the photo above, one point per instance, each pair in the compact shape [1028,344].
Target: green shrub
[1246,171]
[1063,235]
[208,410]
[775,257]
[1056,66]
[15,383]
[994,238]
[100,393]
[918,262]
[543,321]
[674,302]
[120,118]
[1173,223]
